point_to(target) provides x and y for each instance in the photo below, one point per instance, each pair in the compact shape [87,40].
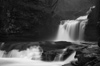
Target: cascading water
[30,53]
[25,58]
[59,56]
[72,30]
[27,62]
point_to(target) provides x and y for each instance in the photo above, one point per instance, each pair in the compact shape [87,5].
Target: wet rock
[97,64]
[62,44]
[49,55]
[67,54]
[82,60]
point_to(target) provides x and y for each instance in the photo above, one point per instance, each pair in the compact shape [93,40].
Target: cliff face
[93,27]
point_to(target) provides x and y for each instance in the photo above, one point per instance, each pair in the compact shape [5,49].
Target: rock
[62,44]
[91,31]
[82,60]
[97,64]
[48,55]
[67,53]
[72,8]
[92,28]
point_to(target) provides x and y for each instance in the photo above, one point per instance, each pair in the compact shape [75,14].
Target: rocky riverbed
[88,53]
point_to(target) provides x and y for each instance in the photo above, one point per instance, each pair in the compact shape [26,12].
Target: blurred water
[29,62]
[72,30]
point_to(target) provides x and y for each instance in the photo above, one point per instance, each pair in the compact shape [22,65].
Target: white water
[27,62]
[59,56]
[25,58]
[72,30]
[30,53]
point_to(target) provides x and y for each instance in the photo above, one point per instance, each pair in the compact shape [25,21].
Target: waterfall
[72,30]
